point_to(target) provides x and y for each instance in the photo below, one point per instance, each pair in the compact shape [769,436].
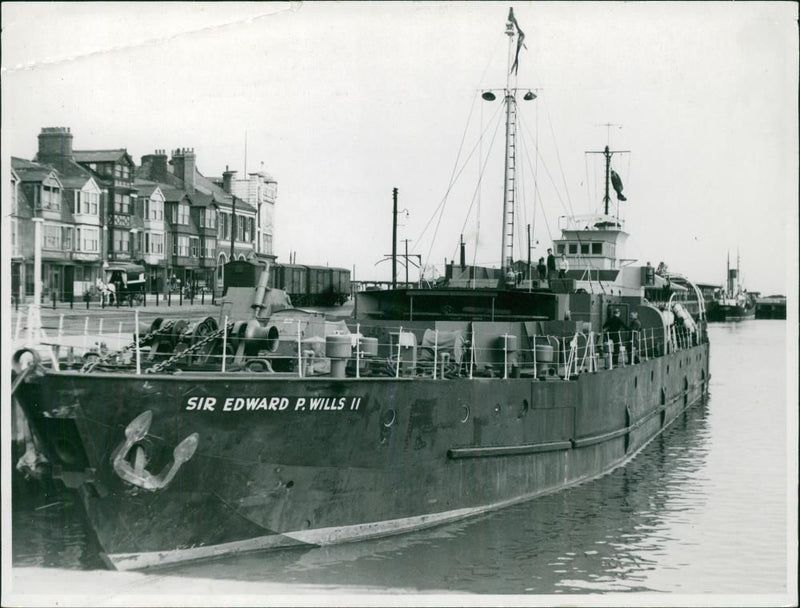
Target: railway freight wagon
[312,285]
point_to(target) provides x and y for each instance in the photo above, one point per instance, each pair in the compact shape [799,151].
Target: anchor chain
[164,328]
[167,363]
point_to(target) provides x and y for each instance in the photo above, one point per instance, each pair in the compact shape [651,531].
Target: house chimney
[155,166]
[227,179]
[183,161]
[55,146]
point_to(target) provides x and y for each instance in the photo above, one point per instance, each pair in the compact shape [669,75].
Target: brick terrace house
[114,171]
[21,235]
[42,191]
[180,175]
[151,207]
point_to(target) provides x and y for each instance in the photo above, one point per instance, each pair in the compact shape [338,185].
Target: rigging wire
[477,187]
[453,178]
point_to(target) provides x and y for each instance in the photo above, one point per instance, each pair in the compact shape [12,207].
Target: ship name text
[271,404]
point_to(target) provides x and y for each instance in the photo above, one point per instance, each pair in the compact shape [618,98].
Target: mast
[728,287]
[606,197]
[507,253]
[607,153]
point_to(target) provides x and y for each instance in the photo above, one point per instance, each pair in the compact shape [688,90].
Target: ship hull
[293,461]
[723,312]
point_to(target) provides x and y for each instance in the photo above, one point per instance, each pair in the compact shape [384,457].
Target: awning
[127,267]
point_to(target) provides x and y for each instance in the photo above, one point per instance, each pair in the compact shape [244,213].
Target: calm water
[702,510]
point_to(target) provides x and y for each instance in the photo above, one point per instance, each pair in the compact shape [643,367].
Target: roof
[202,200]
[100,156]
[172,195]
[31,172]
[145,187]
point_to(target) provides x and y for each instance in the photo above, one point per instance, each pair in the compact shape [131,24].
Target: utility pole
[529,252]
[406,257]
[233,224]
[394,239]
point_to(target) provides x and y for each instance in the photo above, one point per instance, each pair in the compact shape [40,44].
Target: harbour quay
[771,307]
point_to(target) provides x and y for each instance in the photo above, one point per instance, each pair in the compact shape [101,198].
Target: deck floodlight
[489,96]
[529,96]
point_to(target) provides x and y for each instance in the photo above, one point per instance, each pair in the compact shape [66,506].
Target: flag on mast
[617,183]
[520,39]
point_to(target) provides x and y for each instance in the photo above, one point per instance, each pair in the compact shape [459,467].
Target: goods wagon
[312,285]
[306,285]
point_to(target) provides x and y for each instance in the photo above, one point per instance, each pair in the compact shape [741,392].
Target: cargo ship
[277,426]
[733,302]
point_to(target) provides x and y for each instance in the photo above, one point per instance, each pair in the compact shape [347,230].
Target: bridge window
[597,248]
[573,248]
[585,248]
[560,248]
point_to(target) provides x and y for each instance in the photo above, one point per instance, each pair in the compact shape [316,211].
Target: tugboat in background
[734,302]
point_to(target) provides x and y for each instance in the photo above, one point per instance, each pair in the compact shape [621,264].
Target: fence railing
[359,351]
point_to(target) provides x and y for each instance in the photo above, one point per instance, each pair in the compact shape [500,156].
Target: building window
[195,246]
[224,227]
[52,237]
[209,218]
[180,214]
[597,248]
[154,242]
[573,248]
[51,197]
[13,235]
[209,248]
[122,242]
[122,203]
[66,238]
[122,172]
[153,209]
[86,202]
[88,240]
[182,246]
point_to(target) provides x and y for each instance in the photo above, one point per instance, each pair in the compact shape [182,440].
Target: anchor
[136,474]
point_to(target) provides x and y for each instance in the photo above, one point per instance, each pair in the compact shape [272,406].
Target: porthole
[389,417]
[464,413]
[497,409]
[523,409]
[651,375]
[668,368]
[635,381]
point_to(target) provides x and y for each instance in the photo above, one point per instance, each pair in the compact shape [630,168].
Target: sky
[342,102]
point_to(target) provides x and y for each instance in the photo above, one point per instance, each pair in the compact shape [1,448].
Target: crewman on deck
[563,266]
[636,328]
[614,327]
[551,264]
[541,268]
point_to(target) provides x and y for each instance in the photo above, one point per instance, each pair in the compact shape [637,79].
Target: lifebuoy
[17,360]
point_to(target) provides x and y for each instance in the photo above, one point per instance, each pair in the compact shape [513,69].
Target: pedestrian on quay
[563,266]
[551,264]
